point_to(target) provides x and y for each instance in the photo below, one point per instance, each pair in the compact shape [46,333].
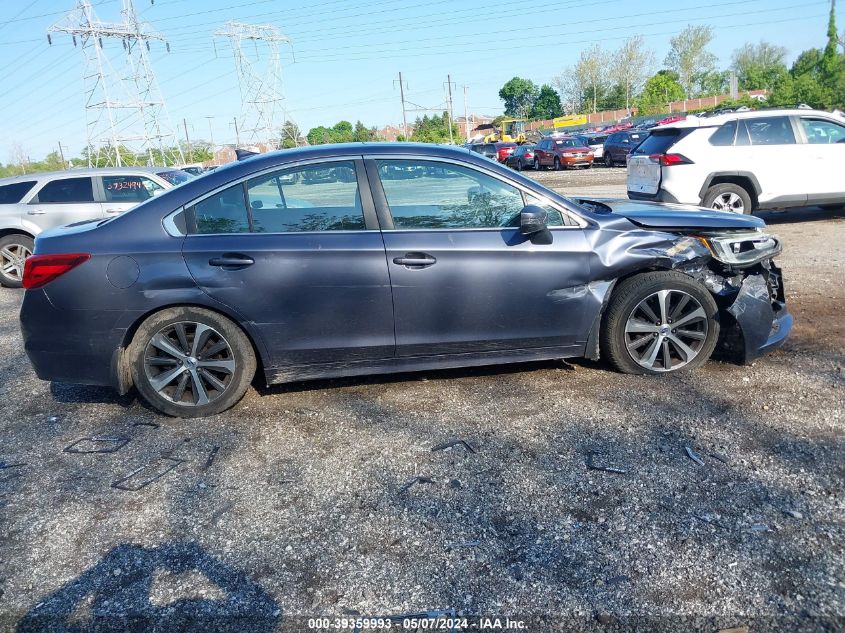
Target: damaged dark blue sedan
[362,259]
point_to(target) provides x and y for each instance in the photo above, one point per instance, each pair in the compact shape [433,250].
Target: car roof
[718,119]
[85,171]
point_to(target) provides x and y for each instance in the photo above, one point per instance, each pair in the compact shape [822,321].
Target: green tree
[689,58]
[361,133]
[547,105]
[591,74]
[290,136]
[319,135]
[660,90]
[434,129]
[759,66]
[715,82]
[630,66]
[519,96]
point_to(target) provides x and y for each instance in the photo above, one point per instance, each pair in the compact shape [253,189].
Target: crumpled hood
[660,215]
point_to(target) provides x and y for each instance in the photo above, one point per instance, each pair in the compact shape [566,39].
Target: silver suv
[33,203]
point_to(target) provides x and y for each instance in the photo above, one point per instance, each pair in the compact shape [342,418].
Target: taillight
[667,160]
[39,270]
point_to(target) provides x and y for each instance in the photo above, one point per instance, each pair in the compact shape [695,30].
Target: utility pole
[62,154]
[210,132]
[404,116]
[449,86]
[466,117]
[187,138]
[237,133]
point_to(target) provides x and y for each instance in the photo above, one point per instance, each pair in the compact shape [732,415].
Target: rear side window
[320,197]
[773,130]
[658,143]
[129,188]
[67,190]
[224,212]
[724,134]
[14,193]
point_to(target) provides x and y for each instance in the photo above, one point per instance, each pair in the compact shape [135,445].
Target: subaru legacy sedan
[262,269]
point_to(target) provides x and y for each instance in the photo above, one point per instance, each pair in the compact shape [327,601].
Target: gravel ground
[299,502]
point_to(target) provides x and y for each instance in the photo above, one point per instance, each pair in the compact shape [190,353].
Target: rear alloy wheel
[14,249]
[728,197]
[191,362]
[659,322]
[557,164]
[537,165]
[519,164]
[608,160]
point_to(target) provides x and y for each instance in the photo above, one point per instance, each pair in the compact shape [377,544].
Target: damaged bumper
[761,317]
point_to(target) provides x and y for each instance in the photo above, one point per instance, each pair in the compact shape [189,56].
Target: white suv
[742,161]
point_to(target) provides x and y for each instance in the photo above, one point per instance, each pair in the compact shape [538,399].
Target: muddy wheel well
[123,370]
[741,181]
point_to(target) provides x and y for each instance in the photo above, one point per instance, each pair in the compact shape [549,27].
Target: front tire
[14,249]
[608,160]
[728,197]
[659,322]
[537,165]
[190,362]
[557,164]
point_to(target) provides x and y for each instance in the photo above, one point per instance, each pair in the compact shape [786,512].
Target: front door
[464,278]
[825,156]
[297,254]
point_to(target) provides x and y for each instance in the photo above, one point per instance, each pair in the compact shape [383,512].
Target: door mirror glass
[533,219]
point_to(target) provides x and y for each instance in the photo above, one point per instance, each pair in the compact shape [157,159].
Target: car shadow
[800,214]
[68,393]
[119,593]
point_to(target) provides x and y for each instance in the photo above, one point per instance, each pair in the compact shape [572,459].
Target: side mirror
[533,219]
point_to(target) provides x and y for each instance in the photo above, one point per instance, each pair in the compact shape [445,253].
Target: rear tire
[608,160]
[640,329]
[519,164]
[557,164]
[14,249]
[190,362]
[728,197]
[537,165]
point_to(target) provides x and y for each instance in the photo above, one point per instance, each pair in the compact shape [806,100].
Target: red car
[558,153]
[671,119]
[503,150]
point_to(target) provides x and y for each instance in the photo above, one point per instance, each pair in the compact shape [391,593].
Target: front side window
[822,132]
[223,212]
[129,188]
[66,190]
[447,196]
[322,197]
[773,130]
[14,193]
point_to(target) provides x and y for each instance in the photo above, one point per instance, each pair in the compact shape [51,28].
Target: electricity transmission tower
[256,48]
[126,119]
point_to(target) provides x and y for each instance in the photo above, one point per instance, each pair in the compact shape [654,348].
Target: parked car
[521,158]
[743,161]
[673,118]
[485,149]
[619,144]
[562,153]
[504,149]
[32,203]
[595,142]
[190,293]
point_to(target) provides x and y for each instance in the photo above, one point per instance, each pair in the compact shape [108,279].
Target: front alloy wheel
[659,322]
[191,362]
[666,330]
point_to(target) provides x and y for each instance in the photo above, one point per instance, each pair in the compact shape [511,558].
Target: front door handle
[38,212]
[231,261]
[415,260]
[113,210]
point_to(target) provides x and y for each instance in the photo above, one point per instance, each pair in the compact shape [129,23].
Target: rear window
[774,130]
[658,142]
[724,135]
[67,190]
[14,193]
[176,176]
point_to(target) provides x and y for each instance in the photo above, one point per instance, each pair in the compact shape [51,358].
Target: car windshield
[568,142]
[175,177]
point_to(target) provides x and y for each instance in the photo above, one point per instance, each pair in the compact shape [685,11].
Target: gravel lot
[306,509]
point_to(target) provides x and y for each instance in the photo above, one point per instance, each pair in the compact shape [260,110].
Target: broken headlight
[741,249]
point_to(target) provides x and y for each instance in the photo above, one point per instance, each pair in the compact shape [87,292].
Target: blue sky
[348,53]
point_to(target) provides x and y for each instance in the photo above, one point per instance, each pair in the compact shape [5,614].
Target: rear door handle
[113,210]
[415,260]
[39,212]
[231,261]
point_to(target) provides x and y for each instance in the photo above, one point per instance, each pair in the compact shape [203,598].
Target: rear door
[122,192]
[464,279]
[298,254]
[825,152]
[62,201]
